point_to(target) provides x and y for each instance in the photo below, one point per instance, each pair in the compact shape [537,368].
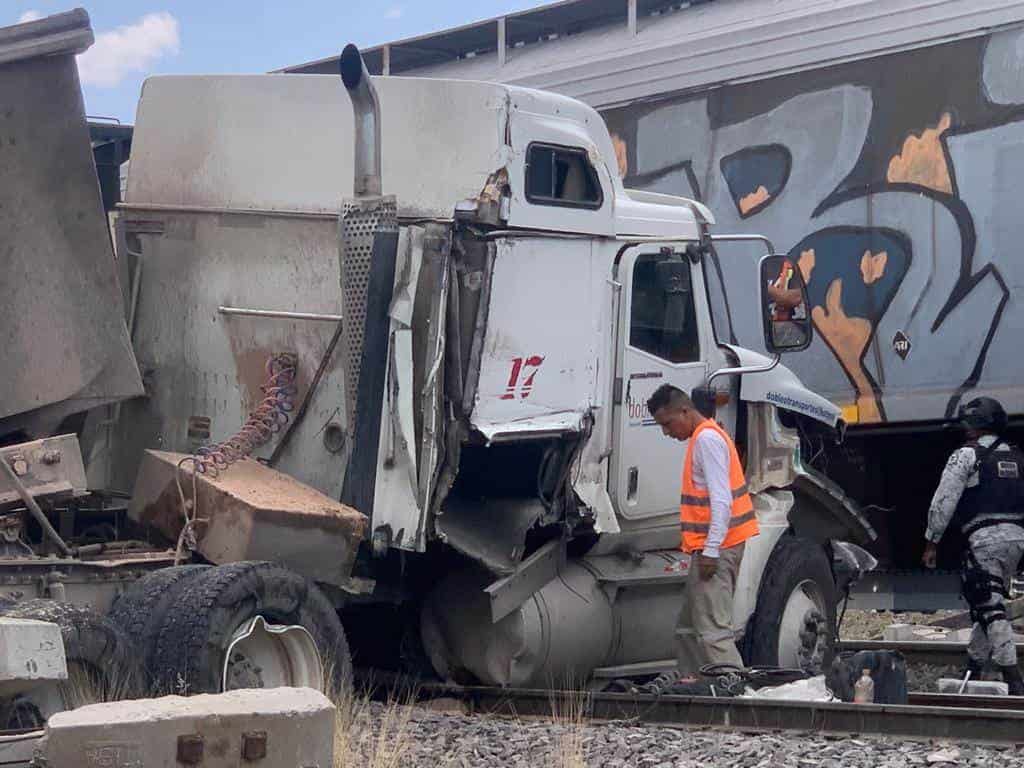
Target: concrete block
[974,687]
[898,633]
[254,513]
[276,728]
[31,653]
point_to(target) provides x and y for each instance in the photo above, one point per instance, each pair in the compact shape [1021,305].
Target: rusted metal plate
[64,343]
[252,512]
[45,467]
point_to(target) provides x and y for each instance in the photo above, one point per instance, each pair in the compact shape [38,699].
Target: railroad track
[918,651]
[930,716]
[994,719]
[927,716]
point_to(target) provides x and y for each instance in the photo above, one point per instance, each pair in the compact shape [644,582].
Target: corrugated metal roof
[681,46]
[481,37]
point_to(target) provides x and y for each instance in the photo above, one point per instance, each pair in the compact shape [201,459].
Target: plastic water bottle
[864,689]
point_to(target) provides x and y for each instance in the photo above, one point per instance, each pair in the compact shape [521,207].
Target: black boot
[1012,676]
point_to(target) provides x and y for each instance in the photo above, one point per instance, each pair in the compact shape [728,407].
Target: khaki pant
[704,633]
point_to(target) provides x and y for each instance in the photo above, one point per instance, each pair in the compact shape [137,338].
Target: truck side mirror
[784,306]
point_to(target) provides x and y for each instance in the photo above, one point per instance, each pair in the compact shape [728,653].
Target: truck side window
[662,316]
[561,176]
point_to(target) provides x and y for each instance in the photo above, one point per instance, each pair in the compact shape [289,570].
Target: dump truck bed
[65,341]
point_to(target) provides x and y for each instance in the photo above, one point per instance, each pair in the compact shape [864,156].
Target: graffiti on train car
[899,197]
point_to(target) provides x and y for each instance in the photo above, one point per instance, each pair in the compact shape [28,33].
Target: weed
[569,709]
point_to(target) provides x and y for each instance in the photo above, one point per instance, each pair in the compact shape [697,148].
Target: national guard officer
[982,493]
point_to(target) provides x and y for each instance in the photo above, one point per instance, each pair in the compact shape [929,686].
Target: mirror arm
[744,238]
[740,370]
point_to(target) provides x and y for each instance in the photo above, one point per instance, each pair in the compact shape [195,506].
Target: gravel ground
[432,739]
[868,625]
[923,677]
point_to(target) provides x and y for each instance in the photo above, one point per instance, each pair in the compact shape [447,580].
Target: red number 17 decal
[524,368]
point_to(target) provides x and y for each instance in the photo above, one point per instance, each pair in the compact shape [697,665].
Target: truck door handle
[632,485]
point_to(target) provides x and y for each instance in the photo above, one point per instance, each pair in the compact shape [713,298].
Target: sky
[138,38]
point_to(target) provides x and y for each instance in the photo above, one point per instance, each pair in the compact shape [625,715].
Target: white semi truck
[436,302]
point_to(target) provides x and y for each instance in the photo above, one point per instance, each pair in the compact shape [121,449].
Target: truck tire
[101,661]
[202,621]
[140,611]
[796,608]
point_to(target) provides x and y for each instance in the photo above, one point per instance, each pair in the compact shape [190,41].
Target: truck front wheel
[796,608]
[250,625]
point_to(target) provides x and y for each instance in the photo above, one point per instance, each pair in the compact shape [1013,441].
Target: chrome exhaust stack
[366,107]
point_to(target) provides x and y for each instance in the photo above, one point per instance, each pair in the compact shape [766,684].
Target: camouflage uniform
[998,550]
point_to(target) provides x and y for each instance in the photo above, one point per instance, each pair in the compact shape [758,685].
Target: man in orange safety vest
[716,517]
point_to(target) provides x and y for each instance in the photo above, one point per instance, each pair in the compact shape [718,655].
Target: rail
[939,652]
[984,719]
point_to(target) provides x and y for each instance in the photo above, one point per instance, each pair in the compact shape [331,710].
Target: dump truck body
[66,348]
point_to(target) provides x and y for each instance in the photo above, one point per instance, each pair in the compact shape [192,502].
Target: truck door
[660,341]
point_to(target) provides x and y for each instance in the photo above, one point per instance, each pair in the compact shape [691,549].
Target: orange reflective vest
[695,504]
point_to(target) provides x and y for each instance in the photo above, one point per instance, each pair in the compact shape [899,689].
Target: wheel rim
[265,655]
[805,603]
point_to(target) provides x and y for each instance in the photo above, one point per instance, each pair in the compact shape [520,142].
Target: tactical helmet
[983,414]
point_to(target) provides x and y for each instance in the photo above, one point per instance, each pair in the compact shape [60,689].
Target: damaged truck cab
[474,381]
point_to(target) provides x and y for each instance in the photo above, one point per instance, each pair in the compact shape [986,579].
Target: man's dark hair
[667,396]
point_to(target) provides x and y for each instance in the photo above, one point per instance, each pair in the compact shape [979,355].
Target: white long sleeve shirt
[711,463]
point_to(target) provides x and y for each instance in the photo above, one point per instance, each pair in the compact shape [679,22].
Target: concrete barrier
[31,654]
[273,728]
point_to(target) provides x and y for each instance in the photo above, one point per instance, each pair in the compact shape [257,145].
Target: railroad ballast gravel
[435,739]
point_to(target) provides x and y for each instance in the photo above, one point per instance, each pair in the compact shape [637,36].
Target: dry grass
[367,741]
[568,714]
[377,739]
[87,686]
[384,736]
[375,735]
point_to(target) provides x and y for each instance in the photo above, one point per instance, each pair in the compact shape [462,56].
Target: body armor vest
[999,495]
